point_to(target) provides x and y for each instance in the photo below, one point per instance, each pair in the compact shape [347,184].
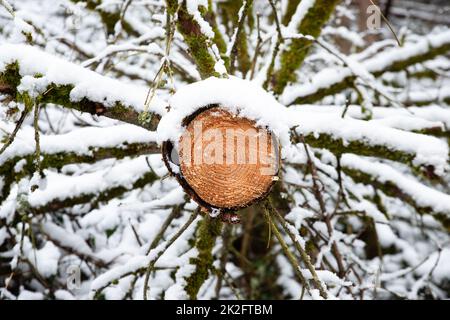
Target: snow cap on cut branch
[220,139]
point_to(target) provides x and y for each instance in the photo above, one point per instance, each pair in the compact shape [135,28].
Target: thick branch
[208,230]
[363,148]
[95,198]
[88,94]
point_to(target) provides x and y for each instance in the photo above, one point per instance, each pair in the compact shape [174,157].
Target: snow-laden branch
[26,73]
[199,36]
[86,145]
[423,198]
[63,191]
[333,80]
[368,138]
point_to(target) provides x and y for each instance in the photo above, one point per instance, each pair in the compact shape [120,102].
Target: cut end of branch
[226,161]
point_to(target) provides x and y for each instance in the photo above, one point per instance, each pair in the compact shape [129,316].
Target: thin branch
[163,249]
[285,248]
[238,33]
[305,257]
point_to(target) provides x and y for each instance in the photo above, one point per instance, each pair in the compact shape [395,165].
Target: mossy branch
[96,197]
[198,43]
[289,255]
[60,159]
[239,47]
[363,148]
[391,189]
[211,17]
[60,94]
[293,56]
[208,230]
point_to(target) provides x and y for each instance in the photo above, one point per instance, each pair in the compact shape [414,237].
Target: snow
[65,239]
[325,276]
[297,215]
[30,295]
[64,295]
[3,235]
[440,265]
[385,235]
[86,83]
[47,259]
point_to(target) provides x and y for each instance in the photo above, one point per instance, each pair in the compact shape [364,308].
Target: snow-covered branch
[65,191]
[54,80]
[423,198]
[309,18]
[338,135]
[87,145]
[333,80]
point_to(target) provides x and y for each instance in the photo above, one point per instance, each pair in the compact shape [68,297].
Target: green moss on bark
[60,95]
[292,58]
[95,198]
[198,43]
[362,148]
[58,160]
[207,233]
